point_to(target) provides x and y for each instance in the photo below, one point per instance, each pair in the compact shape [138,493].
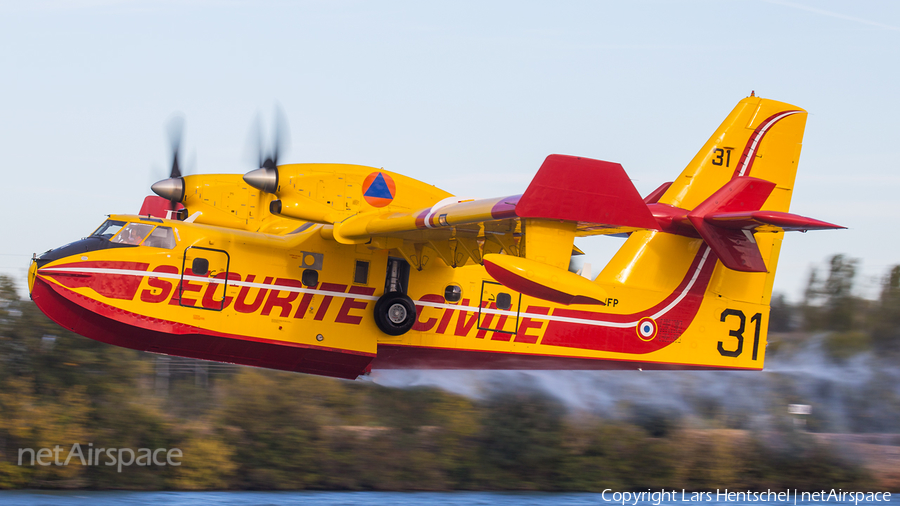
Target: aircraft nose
[171,189]
[263,179]
[32,272]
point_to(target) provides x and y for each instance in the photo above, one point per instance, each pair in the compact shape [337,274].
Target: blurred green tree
[886,319]
[781,314]
[521,440]
[830,304]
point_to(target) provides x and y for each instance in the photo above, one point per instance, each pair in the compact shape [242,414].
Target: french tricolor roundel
[379,189]
[646,329]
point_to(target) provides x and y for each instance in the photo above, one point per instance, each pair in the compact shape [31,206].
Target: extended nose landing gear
[395,312]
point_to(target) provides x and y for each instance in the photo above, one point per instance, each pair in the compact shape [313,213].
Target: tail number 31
[738,333]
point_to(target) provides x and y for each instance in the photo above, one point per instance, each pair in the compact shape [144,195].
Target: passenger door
[204,278]
[499,308]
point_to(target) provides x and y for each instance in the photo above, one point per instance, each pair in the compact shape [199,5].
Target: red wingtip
[582,189]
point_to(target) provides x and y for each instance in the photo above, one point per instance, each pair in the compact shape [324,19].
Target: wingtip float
[341,269]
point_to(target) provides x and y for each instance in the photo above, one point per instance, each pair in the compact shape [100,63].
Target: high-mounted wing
[524,241]
[569,197]
[595,195]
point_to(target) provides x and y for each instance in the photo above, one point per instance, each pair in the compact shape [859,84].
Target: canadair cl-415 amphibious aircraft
[338,269]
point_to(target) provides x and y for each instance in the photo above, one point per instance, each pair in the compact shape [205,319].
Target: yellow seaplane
[339,270]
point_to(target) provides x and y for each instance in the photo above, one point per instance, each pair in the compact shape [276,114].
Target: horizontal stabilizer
[736,249]
[754,219]
[728,218]
[739,194]
[584,190]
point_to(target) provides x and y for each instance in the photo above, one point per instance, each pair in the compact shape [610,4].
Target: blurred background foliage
[246,428]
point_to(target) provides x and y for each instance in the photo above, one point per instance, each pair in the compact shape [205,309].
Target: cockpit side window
[108,229]
[133,233]
[161,237]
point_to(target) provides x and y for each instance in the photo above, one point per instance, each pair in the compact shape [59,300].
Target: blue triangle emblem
[379,189]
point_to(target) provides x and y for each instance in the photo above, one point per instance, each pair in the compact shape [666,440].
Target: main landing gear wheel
[395,313]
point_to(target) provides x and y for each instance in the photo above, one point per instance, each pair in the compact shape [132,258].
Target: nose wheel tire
[395,313]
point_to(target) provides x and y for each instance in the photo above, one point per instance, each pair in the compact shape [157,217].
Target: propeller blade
[172,188]
[280,133]
[265,178]
[176,134]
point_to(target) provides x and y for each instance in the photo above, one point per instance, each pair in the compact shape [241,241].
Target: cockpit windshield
[108,229]
[133,233]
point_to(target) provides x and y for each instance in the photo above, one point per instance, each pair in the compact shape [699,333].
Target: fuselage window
[161,237]
[504,301]
[361,276]
[133,233]
[452,293]
[309,277]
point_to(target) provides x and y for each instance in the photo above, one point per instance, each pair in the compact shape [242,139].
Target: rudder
[760,138]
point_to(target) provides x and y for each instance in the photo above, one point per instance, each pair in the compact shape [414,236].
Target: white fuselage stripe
[217,281]
[437,305]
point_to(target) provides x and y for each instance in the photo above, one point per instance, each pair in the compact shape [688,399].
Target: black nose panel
[77,247]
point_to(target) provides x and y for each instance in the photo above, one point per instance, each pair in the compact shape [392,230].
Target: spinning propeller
[265,178]
[173,187]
